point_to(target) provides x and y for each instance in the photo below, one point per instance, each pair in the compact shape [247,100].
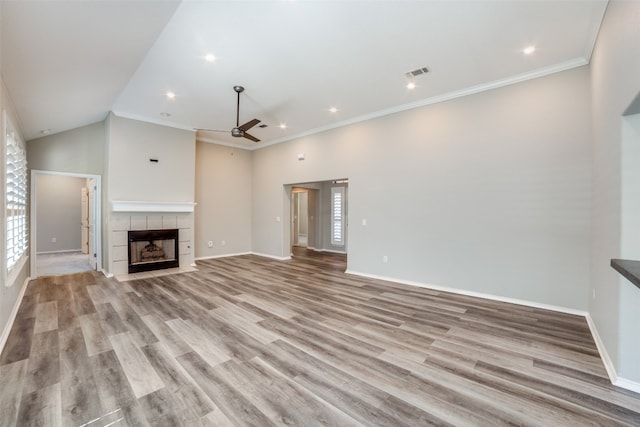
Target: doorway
[318,212]
[301,216]
[65,223]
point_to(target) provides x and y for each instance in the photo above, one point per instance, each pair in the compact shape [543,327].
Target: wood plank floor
[249,341]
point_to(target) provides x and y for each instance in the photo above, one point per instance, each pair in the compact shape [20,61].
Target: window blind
[16,199]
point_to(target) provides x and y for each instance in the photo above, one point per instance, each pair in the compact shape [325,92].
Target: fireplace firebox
[153,250]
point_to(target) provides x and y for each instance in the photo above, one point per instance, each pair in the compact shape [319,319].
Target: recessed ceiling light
[209,57]
[333,110]
[165,114]
[411,85]
[45,131]
[283,125]
[529,50]
[171,95]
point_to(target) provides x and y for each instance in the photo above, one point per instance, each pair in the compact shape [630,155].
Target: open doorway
[319,216]
[65,223]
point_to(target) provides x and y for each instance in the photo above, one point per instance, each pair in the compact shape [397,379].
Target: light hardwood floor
[249,341]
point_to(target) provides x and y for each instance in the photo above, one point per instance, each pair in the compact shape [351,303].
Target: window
[337,216]
[15,197]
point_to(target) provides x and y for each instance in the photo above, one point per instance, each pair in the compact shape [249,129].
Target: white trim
[33,210]
[133,206]
[604,355]
[608,363]
[541,72]
[279,258]
[60,252]
[473,294]
[330,251]
[627,384]
[106,273]
[146,119]
[202,258]
[12,316]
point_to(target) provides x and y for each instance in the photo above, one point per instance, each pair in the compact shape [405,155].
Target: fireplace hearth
[153,250]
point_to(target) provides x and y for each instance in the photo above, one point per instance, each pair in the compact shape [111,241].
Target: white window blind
[337,216]
[16,198]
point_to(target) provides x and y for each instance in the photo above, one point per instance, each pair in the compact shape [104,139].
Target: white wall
[487,193]
[132,176]
[59,213]
[223,197]
[615,69]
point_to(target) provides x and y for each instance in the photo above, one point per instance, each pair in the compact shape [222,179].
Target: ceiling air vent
[416,73]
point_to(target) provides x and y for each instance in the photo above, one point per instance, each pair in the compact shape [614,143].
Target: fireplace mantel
[131,206]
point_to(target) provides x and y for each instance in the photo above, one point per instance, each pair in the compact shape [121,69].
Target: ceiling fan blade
[249,125]
[251,137]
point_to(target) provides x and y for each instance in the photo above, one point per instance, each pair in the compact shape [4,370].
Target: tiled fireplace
[149,218]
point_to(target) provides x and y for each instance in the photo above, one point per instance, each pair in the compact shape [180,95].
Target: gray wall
[76,151]
[487,193]
[615,303]
[223,197]
[59,209]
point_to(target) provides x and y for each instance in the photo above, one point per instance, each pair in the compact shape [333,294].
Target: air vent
[416,73]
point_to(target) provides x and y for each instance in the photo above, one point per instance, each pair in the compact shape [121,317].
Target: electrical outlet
[594,294]
[224,242]
[54,240]
[210,243]
[385,259]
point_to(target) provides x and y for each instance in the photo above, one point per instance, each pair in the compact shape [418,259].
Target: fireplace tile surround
[122,222]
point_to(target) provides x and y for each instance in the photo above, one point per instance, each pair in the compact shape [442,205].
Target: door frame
[33,211]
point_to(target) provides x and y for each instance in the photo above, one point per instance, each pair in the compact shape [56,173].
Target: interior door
[84,220]
[91,187]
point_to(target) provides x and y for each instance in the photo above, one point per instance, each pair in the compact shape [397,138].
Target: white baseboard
[608,363]
[279,258]
[473,294]
[106,273]
[12,316]
[604,355]
[329,250]
[220,256]
[627,384]
[60,252]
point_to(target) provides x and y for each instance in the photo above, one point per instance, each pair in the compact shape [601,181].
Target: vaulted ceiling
[68,63]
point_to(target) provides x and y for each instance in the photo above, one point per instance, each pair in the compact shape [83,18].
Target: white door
[84,220]
[91,186]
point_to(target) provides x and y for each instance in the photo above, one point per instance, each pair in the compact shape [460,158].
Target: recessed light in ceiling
[333,110]
[165,114]
[209,57]
[411,85]
[529,50]
[171,95]
[45,131]
[283,125]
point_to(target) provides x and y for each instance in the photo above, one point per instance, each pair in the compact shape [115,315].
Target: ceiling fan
[239,131]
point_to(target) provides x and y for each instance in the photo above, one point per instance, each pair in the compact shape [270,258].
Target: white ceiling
[68,63]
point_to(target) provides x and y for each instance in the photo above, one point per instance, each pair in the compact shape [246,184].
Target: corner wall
[615,302]
[223,200]
[488,193]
